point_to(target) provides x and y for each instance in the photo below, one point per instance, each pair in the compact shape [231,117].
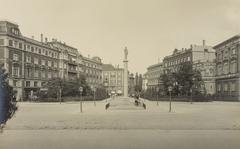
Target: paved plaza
[53,125]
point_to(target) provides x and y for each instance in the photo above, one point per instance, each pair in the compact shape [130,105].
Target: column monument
[125,61]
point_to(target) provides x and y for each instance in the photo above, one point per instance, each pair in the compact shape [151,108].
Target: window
[225,68]
[20,45]
[43,74]
[219,69]
[16,71]
[1,41]
[35,84]
[225,87]
[233,86]
[28,59]
[49,75]
[35,60]
[49,63]
[32,49]
[15,57]
[219,87]
[15,83]
[27,83]
[39,51]
[10,43]
[36,73]
[55,64]
[233,67]
[233,51]
[55,74]
[43,62]
[28,73]
[36,50]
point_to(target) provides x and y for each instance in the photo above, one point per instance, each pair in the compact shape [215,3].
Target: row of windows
[226,53]
[33,49]
[177,61]
[36,73]
[227,86]
[227,68]
[36,61]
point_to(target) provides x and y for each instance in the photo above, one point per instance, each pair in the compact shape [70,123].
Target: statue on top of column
[126,52]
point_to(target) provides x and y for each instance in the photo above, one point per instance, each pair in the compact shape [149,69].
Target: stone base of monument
[124,103]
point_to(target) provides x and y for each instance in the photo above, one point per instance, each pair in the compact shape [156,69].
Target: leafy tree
[7,106]
[183,80]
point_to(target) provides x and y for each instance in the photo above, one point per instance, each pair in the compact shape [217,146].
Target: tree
[183,80]
[7,106]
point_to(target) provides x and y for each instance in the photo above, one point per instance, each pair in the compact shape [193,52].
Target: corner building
[228,66]
[29,63]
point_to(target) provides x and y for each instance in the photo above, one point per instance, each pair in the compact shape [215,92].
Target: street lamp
[170,98]
[191,90]
[80,102]
[94,95]
[157,90]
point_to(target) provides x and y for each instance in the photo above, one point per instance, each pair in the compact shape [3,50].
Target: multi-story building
[200,56]
[145,82]
[93,71]
[29,63]
[70,60]
[113,78]
[153,76]
[228,67]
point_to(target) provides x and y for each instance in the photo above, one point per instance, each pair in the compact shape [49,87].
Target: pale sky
[151,29]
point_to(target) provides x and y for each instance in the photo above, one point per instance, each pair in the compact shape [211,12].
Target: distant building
[144,82]
[93,71]
[113,78]
[153,76]
[228,67]
[201,56]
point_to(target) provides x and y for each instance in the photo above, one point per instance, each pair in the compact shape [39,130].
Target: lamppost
[94,95]
[191,90]
[106,85]
[170,98]
[157,90]
[80,101]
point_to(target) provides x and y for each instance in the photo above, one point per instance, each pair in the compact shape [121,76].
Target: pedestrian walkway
[123,103]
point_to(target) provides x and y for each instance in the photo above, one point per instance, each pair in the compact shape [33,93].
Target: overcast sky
[151,29]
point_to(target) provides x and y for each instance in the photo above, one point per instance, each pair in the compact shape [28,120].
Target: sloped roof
[107,67]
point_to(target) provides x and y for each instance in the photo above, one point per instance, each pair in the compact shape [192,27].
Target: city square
[217,124]
[120,74]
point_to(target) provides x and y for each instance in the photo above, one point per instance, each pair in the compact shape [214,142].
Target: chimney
[41,37]
[32,37]
[46,40]
[204,43]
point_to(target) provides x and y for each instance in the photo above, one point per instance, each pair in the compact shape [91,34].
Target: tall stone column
[125,83]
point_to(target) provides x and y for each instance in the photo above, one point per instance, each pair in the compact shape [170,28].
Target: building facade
[70,61]
[153,76]
[228,66]
[31,63]
[92,68]
[113,78]
[203,59]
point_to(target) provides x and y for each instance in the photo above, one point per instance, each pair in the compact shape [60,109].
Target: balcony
[234,56]
[72,70]
[71,62]
[225,58]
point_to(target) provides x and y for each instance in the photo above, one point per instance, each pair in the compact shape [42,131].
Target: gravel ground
[213,125]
